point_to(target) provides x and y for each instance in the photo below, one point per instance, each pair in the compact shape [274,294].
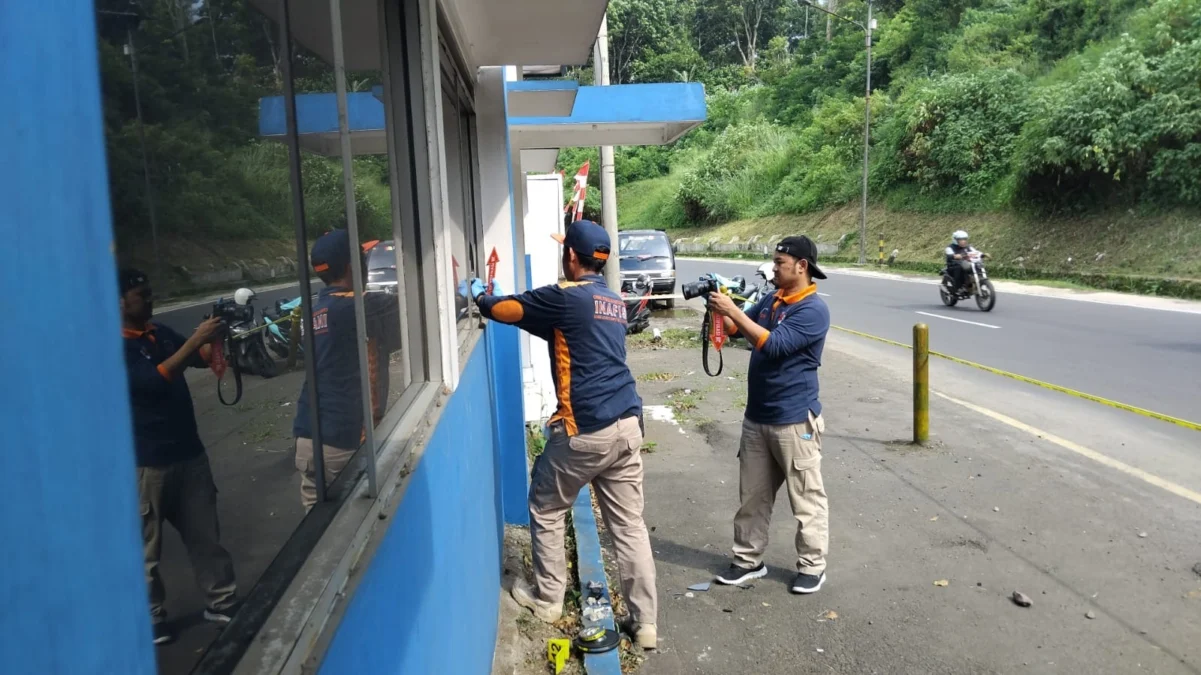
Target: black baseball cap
[331,252]
[129,278]
[586,238]
[802,248]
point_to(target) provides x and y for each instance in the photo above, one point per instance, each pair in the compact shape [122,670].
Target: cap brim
[558,237]
[815,271]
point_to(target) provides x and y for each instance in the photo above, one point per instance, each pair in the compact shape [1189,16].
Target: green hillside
[1054,129]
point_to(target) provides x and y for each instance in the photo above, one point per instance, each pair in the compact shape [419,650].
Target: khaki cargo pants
[336,460]
[770,456]
[184,495]
[611,460]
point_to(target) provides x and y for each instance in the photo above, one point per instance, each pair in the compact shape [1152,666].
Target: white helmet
[959,234]
[767,271]
[243,296]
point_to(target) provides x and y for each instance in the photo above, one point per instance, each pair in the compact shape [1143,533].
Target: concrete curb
[592,568]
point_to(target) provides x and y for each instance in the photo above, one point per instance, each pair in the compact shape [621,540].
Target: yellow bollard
[881,249]
[921,383]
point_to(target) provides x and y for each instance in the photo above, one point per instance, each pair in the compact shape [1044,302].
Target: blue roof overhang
[543,116]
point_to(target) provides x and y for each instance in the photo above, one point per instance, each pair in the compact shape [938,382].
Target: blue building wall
[429,599]
[71,561]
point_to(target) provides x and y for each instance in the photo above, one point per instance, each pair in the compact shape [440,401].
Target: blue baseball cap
[331,252]
[586,238]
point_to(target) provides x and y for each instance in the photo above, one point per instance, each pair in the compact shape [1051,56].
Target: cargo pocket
[304,459]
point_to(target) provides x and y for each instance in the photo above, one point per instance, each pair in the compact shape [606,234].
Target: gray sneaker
[808,583]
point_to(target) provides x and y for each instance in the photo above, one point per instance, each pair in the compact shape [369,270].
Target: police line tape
[1046,385]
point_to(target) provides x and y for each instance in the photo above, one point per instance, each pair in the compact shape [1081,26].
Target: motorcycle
[279,327]
[765,287]
[637,296]
[246,342]
[975,284]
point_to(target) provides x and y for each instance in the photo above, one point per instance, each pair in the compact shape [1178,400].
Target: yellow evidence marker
[557,652]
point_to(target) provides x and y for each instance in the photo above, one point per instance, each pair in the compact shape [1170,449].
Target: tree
[749,22]
[640,29]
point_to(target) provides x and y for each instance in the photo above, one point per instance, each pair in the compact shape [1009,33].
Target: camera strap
[713,333]
[223,357]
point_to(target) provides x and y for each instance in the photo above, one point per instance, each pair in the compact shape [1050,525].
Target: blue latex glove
[477,288]
[496,288]
[463,288]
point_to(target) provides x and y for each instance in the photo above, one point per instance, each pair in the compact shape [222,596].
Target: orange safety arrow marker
[492,260]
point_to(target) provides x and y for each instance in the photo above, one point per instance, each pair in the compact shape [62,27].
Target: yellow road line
[1046,385]
[1178,490]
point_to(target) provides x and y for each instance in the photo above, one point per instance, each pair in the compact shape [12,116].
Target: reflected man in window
[336,363]
[175,481]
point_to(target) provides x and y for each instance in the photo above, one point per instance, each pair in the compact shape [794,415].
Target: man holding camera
[782,428]
[336,363]
[175,481]
[595,434]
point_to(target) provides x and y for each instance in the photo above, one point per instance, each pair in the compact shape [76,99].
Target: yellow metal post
[921,383]
[881,249]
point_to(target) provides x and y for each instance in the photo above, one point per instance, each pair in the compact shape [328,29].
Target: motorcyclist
[958,265]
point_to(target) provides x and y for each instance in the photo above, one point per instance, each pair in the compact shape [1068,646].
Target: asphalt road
[184,317]
[1143,357]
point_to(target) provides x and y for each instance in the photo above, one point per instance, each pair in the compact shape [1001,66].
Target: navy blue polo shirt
[782,379]
[339,396]
[584,325]
[164,421]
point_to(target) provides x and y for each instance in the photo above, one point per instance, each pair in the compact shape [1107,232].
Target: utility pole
[867,104]
[608,179]
[867,134]
[137,104]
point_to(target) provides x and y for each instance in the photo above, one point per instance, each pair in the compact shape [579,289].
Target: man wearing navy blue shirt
[782,427]
[595,435]
[336,363]
[175,481]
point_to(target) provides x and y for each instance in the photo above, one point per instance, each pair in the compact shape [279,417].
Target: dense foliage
[202,68]
[1046,105]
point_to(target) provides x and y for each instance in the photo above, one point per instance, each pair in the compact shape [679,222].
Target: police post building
[397,568]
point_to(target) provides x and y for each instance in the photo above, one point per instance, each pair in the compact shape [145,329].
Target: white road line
[1178,490]
[824,295]
[951,318]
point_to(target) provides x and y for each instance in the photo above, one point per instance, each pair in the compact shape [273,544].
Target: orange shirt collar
[796,297]
[131,333]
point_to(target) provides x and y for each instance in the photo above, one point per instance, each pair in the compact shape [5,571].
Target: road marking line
[824,295]
[1046,385]
[951,318]
[1178,490]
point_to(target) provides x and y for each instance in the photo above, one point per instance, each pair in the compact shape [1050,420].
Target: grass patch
[648,448]
[671,338]
[535,442]
[656,377]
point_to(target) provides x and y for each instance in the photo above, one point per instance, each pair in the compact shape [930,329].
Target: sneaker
[808,583]
[549,612]
[222,616]
[739,575]
[162,633]
[644,635]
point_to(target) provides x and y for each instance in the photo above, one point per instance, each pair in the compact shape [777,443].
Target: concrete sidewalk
[984,507]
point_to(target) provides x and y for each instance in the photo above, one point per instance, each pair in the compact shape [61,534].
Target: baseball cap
[802,248]
[586,238]
[130,278]
[331,251]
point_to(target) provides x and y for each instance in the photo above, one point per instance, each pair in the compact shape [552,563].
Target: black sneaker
[739,575]
[808,583]
[222,616]
[162,633]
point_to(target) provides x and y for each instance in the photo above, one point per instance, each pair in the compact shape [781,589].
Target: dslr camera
[712,283]
[231,312]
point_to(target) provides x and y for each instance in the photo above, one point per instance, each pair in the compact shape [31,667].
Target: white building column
[496,183]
